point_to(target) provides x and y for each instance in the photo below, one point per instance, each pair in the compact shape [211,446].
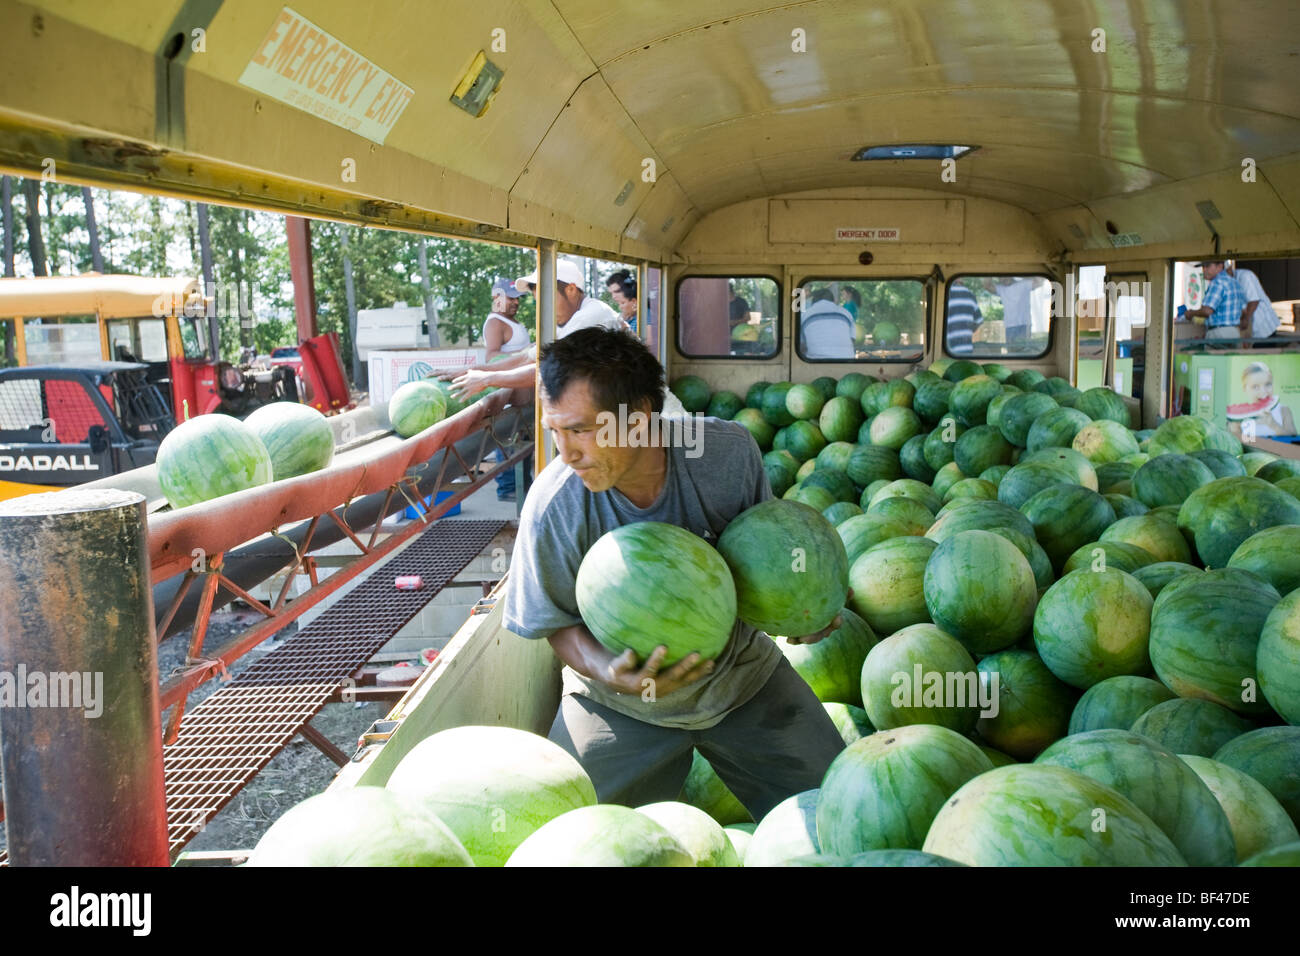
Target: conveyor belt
[227,739]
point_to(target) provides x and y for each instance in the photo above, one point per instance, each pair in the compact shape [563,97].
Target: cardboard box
[389,370]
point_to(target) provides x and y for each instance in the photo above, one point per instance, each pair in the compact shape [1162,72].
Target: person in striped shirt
[1224,304]
[964,317]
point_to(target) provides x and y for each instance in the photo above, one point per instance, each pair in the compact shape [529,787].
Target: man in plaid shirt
[1223,305]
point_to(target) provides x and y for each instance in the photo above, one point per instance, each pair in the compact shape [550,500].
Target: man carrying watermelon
[632,723]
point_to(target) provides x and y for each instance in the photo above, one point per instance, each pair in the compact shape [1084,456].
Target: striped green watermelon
[939,444]
[993,414]
[1204,640]
[1274,555]
[1055,428]
[894,426]
[1253,461]
[1286,855]
[1189,726]
[946,477]
[995,474]
[1078,466]
[921,675]
[701,835]
[210,456]
[979,448]
[997,371]
[1115,476]
[1065,517]
[1091,625]
[852,722]
[790,568]
[837,483]
[884,791]
[1041,815]
[453,404]
[814,496]
[1027,479]
[1157,536]
[1017,415]
[841,512]
[1291,486]
[895,393]
[1219,516]
[1102,403]
[1257,820]
[693,391]
[298,438]
[1169,479]
[840,420]
[974,514]
[650,583]
[931,401]
[1278,658]
[836,456]
[907,509]
[1025,378]
[852,385]
[804,440]
[788,831]
[1033,707]
[1272,756]
[603,835]
[804,402]
[1160,784]
[980,588]
[1099,556]
[912,457]
[724,405]
[979,488]
[754,397]
[1126,507]
[870,463]
[1223,464]
[1116,702]
[1104,440]
[416,406]
[863,531]
[886,581]
[1275,471]
[909,488]
[970,398]
[832,667]
[774,408]
[757,426]
[1187,434]
[826,385]
[961,369]
[1155,576]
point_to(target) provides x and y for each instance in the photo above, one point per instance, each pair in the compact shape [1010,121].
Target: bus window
[66,341]
[152,340]
[722,317]
[998,316]
[194,336]
[877,320]
[653,302]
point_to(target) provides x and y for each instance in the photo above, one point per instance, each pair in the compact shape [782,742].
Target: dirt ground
[296,773]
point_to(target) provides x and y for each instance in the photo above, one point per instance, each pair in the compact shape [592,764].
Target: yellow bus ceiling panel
[109,296]
[913,220]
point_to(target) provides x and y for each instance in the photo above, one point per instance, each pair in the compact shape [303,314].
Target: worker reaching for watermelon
[658,663]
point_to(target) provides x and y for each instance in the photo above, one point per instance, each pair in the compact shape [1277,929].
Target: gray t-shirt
[560,522]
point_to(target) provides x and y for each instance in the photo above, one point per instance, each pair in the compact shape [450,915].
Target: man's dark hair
[822,294]
[853,294]
[618,278]
[739,309]
[617,367]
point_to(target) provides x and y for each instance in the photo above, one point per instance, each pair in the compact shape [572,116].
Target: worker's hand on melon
[451,374]
[834,626]
[627,677]
[470,383]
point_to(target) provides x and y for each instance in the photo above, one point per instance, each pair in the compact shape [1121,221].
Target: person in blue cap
[503,336]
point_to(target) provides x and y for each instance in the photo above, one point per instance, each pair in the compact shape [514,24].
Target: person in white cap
[503,335]
[574,309]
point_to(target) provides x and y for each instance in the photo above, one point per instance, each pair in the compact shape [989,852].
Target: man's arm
[516,359]
[473,382]
[576,647]
[1246,316]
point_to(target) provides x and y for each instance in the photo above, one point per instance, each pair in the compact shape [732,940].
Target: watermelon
[1103,404]
[1274,555]
[1065,517]
[979,448]
[1275,471]
[814,496]
[492,786]
[969,399]
[863,531]
[695,830]
[1188,726]
[780,476]
[841,512]
[789,830]
[870,463]
[907,509]
[757,426]
[912,457]
[297,437]
[1187,434]
[1025,378]
[995,474]
[210,456]
[754,397]
[1159,784]
[876,858]
[359,826]
[1204,640]
[1103,441]
[931,401]
[920,675]
[938,446]
[993,414]
[804,440]
[416,406]
[1055,428]
[1291,486]
[806,469]
[1091,625]
[835,456]
[997,371]
[1116,702]
[826,385]
[946,477]
[886,334]
[1099,555]
[978,488]
[724,405]
[1241,580]
[852,385]
[852,722]
[1253,461]
[1257,820]
[604,835]
[1287,855]
[1126,507]
[1169,479]
[649,584]
[960,369]
[980,588]
[895,393]
[693,392]
[1272,756]
[894,426]
[1115,476]
[884,791]
[1153,534]
[909,488]
[1155,576]
[886,581]
[1277,658]
[789,564]
[1033,707]
[1042,815]
[1079,468]
[1017,415]
[840,420]
[973,514]
[1223,464]
[833,665]
[740,834]
[453,404]
[704,789]
[774,407]
[804,402]
[1027,479]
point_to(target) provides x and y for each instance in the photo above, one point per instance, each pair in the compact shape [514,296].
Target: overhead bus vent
[1075,230]
[912,151]
[476,88]
[1208,210]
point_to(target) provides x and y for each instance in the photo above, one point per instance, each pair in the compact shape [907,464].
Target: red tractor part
[325,386]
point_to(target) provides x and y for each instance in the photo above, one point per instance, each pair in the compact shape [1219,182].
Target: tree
[92,228]
[35,242]
[6,201]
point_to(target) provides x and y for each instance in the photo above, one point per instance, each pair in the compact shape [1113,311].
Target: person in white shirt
[502,335]
[574,309]
[826,328]
[1263,320]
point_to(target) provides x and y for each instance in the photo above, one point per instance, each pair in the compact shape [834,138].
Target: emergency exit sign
[876,234]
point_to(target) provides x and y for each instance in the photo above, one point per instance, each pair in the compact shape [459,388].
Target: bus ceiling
[670,132]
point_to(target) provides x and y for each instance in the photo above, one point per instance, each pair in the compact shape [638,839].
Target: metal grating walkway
[228,738]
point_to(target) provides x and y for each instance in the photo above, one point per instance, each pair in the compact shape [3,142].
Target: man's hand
[470,383]
[449,374]
[627,678]
[834,625]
